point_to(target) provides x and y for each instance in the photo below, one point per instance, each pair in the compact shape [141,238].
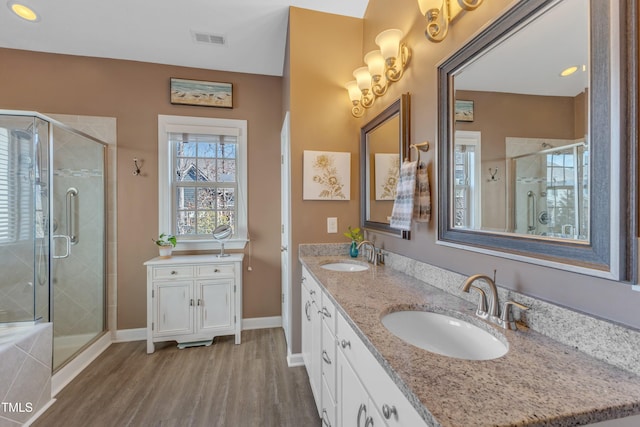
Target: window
[15,187]
[203,178]
[467,213]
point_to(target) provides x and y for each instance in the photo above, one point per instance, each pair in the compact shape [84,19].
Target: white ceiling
[530,61]
[160,31]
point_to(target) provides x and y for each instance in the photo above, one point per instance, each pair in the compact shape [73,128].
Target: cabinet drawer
[172,272]
[328,412]
[329,359]
[328,313]
[214,270]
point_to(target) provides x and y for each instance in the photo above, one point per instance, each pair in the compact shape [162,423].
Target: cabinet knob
[345,344]
[388,411]
[173,272]
[216,270]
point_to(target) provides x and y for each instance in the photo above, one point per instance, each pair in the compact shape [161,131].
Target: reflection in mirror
[515,168]
[528,123]
[383,143]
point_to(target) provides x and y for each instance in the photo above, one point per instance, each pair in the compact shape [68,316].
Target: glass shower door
[78,236]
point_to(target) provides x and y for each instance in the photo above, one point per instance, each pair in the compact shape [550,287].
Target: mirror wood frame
[401,108]
[612,249]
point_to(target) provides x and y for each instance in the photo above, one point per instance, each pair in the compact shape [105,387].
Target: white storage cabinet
[193,298]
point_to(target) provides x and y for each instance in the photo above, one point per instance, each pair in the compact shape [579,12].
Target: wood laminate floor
[225,384]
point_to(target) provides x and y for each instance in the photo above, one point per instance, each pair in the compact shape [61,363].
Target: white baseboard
[140,334]
[68,372]
[294,360]
[262,323]
[127,335]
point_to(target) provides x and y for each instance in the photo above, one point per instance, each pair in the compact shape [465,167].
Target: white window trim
[167,124]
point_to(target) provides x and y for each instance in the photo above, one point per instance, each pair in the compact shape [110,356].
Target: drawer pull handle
[326,313]
[369,422]
[363,408]
[388,411]
[173,272]
[306,310]
[191,302]
[325,357]
[216,270]
[345,344]
[325,421]
[312,292]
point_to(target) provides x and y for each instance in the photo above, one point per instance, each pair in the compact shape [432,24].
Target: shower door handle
[67,240]
[72,193]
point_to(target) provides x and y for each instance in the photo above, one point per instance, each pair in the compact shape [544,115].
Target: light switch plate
[332,225]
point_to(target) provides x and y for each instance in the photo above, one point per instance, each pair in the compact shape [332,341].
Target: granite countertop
[538,382]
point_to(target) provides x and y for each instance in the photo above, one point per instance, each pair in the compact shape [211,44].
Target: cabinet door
[315,377]
[352,398]
[305,302]
[215,304]
[173,307]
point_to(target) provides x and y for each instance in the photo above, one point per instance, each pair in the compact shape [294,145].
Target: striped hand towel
[403,205]
[422,203]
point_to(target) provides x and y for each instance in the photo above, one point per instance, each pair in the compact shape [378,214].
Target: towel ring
[423,146]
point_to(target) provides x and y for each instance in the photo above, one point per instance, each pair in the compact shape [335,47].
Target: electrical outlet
[332,225]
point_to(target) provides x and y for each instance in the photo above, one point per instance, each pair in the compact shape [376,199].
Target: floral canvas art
[327,175]
[387,171]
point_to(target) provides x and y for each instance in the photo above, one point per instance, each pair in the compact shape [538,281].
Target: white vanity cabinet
[383,401]
[349,385]
[312,335]
[193,298]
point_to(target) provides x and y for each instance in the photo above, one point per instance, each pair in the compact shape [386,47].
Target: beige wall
[603,298]
[323,52]
[135,93]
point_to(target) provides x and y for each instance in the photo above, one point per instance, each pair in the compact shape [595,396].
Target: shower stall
[52,230]
[551,191]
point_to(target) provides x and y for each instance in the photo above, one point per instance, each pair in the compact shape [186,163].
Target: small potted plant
[356,237]
[166,243]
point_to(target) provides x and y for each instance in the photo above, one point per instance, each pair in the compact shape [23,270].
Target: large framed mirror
[537,159]
[384,142]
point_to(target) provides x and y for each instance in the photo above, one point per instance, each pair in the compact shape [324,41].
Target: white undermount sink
[445,335]
[345,266]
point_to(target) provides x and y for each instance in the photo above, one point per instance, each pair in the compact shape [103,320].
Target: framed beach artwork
[464,111]
[326,175]
[198,92]
[386,174]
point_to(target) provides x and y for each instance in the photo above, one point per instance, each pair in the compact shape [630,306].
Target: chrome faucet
[374,256]
[506,319]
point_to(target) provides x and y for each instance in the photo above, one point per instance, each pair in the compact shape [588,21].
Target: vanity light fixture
[440,13]
[384,67]
[23,11]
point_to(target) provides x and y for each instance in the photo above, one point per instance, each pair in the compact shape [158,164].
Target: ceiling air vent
[216,39]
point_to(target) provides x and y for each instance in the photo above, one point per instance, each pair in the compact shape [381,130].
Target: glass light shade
[354,92]
[363,78]
[23,11]
[389,42]
[375,62]
[427,5]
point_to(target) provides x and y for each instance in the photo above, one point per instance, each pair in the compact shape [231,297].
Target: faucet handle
[506,319]
[481,311]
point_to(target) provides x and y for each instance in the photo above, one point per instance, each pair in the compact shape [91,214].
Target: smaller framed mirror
[384,142]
